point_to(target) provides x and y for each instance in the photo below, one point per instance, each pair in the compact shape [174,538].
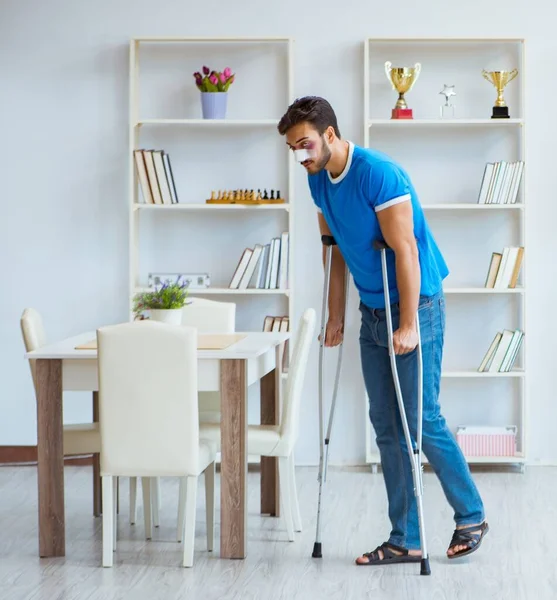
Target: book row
[504,267]
[265,266]
[502,352]
[155,177]
[500,182]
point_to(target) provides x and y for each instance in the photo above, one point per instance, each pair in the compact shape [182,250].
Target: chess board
[245,197]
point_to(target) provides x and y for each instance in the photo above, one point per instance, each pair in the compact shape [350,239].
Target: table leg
[270,415]
[97,500]
[234,463]
[52,535]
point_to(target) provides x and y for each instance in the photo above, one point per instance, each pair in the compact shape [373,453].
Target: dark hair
[310,109]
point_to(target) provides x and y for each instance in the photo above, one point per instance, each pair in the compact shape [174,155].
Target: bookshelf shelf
[444,122]
[471,206]
[471,374]
[162,122]
[445,158]
[210,207]
[211,122]
[483,290]
[224,291]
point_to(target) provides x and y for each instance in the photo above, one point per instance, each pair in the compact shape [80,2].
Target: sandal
[389,556]
[465,537]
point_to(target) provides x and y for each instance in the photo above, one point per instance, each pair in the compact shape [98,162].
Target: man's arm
[397,227]
[335,325]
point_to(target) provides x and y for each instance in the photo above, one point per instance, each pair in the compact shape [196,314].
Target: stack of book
[155,177]
[504,268]
[279,324]
[265,266]
[500,182]
[276,324]
[502,353]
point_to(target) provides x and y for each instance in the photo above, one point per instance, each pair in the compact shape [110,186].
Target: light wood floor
[516,560]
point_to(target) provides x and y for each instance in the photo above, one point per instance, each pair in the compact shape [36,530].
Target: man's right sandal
[465,537]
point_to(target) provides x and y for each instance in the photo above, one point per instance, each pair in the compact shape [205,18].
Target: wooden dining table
[252,358]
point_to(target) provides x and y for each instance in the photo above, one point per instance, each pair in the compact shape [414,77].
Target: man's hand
[334,332]
[405,339]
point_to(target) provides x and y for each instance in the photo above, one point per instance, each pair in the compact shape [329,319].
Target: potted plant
[213,86]
[164,303]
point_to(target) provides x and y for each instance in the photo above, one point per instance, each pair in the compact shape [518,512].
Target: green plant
[166,296]
[214,81]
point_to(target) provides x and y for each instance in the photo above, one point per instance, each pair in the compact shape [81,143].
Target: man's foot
[467,539]
[389,553]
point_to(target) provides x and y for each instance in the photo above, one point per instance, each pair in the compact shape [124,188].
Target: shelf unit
[227,49]
[456,61]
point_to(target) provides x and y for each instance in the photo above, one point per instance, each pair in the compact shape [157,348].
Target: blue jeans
[439,444]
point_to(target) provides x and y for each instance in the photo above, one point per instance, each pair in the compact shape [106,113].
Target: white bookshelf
[446,159]
[165,109]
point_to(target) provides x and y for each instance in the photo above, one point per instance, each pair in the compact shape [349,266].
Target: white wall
[63,230]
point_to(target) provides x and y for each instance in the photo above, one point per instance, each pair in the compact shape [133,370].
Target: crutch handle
[380,245]
[328,240]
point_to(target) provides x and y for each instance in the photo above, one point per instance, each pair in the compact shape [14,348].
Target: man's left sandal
[389,557]
[465,537]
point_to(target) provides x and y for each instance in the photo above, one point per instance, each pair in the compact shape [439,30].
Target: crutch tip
[425,570]
[317,550]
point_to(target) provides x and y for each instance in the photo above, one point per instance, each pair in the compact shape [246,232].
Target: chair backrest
[34,336]
[210,316]
[148,411]
[290,417]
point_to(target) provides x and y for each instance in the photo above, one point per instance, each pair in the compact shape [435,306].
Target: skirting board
[27,455]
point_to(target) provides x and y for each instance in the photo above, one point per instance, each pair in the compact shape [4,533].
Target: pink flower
[227,72]
[213,79]
[206,70]
[222,78]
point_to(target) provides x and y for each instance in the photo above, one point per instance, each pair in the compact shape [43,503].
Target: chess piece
[258,196]
[213,195]
[272,194]
[278,195]
[265,197]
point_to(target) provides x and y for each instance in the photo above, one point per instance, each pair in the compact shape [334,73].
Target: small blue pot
[213,104]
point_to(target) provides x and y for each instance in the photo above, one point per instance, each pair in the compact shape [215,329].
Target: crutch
[413,452]
[329,242]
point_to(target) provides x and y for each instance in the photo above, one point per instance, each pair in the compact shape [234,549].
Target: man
[363,195]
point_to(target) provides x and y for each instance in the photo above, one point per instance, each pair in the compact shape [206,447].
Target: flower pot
[213,104]
[172,316]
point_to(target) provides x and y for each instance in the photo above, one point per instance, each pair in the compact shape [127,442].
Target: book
[500,182]
[267,267]
[504,268]
[502,352]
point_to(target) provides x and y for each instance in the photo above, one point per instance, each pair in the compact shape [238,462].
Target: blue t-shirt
[370,182]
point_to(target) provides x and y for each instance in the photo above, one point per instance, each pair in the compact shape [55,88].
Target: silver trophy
[447,110]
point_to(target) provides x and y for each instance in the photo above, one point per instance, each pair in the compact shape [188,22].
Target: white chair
[207,316]
[279,440]
[148,370]
[78,439]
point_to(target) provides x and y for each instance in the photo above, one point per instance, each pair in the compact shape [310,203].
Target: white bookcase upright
[241,151]
[446,159]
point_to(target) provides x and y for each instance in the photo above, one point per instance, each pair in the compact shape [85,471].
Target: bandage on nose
[302,155]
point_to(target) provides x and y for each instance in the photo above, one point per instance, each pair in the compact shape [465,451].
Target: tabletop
[253,345]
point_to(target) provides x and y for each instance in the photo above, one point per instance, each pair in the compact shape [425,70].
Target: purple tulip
[213,79]
[227,72]
[206,70]
[197,75]
[222,78]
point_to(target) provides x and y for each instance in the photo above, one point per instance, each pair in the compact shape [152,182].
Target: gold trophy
[402,79]
[500,79]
